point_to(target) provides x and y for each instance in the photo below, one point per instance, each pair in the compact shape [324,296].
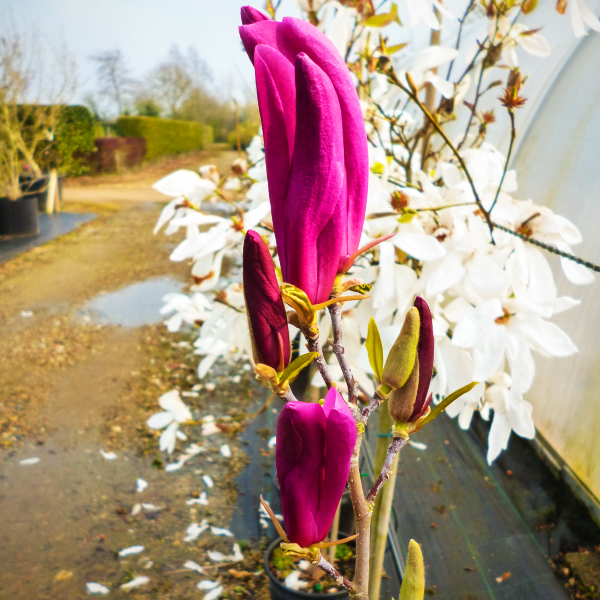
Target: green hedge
[165,136]
[74,140]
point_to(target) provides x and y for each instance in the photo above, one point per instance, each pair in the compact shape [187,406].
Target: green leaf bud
[401,359]
[402,400]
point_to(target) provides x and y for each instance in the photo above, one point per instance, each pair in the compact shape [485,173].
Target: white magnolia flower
[421,70]
[175,412]
[517,35]
[188,309]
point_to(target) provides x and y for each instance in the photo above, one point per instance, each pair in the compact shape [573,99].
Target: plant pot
[39,188]
[19,217]
[280,592]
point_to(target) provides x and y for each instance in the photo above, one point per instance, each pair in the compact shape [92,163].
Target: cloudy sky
[144,31]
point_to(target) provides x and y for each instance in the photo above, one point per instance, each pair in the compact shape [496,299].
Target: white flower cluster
[491,300]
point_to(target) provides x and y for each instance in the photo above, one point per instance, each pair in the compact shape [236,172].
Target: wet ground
[84,360]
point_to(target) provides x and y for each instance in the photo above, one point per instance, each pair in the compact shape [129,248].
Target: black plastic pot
[39,188]
[280,592]
[19,217]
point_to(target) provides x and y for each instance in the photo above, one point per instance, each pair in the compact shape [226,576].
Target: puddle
[132,306]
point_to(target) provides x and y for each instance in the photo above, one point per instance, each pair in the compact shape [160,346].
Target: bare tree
[176,79]
[113,76]
[36,80]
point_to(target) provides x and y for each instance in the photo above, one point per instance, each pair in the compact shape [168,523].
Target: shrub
[247,131]
[118,153]
[74,140]
[164,136]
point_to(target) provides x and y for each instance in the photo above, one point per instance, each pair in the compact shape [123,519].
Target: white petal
[216,556]
[472,327]
[588,16]
[141,485]
[488,353]
[136,510]
[221,531]
[541,286]
[419,246]
[207,584]
[214,593]
[225,450]
[178,183]
[432,56]
[160,420]
[193,566]
[168,437]
[417,445]
[272,442]
[131,550]
[31,461]
[96,589]
[535,44]
[520,360]
[208,481]
[448,273]
[171,401]
[137,582]
[108,455]
[575,273]
[546,338]
[445,88]
[166,214]
[498,437]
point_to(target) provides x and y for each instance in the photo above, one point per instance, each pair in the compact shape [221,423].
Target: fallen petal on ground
[137,582]
[96,589]
[108,455]
[30,461]
[141,485]
[131,550]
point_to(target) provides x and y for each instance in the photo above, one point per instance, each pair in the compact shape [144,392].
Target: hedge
[74,140]
[165,136]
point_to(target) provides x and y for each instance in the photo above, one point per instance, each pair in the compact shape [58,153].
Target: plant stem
[336,575]
[513,135]
[315,346]
[335,311]
[383,504]
[392,451]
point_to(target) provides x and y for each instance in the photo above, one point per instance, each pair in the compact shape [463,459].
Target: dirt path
[84,361]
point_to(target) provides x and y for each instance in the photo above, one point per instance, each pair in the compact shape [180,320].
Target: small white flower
[175,412]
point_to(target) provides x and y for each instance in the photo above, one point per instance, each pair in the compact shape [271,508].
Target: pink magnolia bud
[250,15]
[266,313]
[313,451]
[315,150]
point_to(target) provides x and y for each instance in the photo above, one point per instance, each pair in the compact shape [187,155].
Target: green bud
[401,359]
[413,584]
[402,400]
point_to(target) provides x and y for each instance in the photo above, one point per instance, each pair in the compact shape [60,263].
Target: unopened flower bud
[402,400]
[401,359]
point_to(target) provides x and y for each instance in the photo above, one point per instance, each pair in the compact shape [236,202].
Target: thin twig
[393,449]
[375,403]
[456,153]
[549,248]
[336,575]
[315,346]
[462,22]
[335,310]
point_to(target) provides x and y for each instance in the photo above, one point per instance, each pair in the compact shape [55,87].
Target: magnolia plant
[385,221]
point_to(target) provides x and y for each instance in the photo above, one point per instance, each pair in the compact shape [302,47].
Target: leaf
[361,288]
[393,49]
[447,401]
[297,365]
[407,217]
[413,583]
[383,20]
[375,349]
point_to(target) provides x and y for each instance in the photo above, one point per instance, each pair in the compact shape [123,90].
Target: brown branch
[335,310]
[375,403]
[315,346]
[393,449]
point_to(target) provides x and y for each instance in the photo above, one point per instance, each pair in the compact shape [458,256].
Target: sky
[144,30]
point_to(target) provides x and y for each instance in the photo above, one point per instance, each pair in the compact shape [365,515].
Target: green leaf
[297,365]
[362,288]
[413,583]
[383,20]
[407,217]
[396,48]
[377,168]
[375,349]
[448,400]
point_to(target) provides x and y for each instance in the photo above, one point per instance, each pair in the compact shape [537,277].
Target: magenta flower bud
[312,456]
[425,354]
[250,15]
[266,312]
[315,150]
